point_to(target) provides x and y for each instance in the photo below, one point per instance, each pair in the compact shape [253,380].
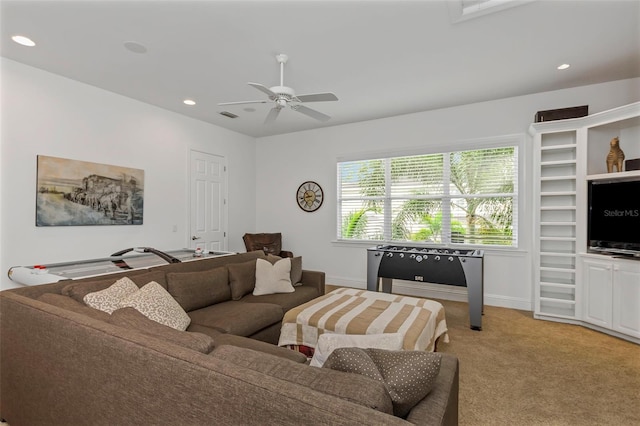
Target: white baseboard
[435,291]
[508,302]
[588,325]
[346,282]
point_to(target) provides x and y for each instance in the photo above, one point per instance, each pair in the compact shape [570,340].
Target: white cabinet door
[597,290]
[626,297]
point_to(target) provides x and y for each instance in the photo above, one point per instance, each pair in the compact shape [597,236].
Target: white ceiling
[381,58]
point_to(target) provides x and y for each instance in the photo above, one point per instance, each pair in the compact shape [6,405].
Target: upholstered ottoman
[421,322]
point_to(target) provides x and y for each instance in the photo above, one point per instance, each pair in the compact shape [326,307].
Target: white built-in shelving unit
[568,154]
[556,233]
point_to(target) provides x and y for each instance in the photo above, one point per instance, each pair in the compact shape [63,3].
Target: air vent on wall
[462,10]
[228,114]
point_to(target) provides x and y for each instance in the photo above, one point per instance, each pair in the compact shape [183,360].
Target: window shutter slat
[406,199]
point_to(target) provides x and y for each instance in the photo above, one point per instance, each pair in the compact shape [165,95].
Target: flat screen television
[614,217]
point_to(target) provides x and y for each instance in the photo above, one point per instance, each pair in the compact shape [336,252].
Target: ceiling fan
[284,96]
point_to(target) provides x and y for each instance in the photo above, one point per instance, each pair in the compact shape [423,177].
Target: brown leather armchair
[269,243]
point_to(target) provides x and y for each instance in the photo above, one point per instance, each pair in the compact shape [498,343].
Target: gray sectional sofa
[63,362]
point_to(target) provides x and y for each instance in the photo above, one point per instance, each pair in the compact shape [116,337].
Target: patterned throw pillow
[329,342]
[408,375]
[80,288]
[157,304]
[274,278]
[108,300]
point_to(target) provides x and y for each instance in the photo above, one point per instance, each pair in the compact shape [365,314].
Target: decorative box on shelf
[633,164]
[562,113]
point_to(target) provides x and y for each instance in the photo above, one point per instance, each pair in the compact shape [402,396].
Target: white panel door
[208,201]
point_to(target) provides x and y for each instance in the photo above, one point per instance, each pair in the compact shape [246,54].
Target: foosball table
[462,268]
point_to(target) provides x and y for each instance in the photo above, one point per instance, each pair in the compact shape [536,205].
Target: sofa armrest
[355,388]
[314,279]
[440,406]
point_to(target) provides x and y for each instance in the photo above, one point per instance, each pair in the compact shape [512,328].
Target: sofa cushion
[303,294]
[296,270]
[131,318]
[239,318]
[408,375]
[329,342]
[242,278]
[358,389]
[157,304]
[107,300]
[195,290]
[257,345]
[273,278]
[73,305]
[79,289]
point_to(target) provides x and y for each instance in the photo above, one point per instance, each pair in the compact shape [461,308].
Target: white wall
[288,160]
[45,114]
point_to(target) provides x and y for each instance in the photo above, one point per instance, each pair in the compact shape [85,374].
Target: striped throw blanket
[353,311]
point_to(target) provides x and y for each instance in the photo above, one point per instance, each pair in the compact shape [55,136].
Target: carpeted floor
[522,371]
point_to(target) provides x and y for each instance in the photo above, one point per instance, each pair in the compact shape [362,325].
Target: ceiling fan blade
[311,112]
[263,89]
[317,97]
[273,114]
[243,102]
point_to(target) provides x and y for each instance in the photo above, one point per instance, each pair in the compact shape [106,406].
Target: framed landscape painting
[77,193]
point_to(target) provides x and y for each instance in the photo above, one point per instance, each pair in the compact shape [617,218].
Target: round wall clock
[309,196]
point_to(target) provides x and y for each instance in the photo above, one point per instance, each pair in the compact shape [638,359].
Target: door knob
[193,238]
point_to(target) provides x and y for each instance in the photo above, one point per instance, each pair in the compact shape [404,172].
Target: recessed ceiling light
[189,102]
[563,66]
[25,41]
[135,47]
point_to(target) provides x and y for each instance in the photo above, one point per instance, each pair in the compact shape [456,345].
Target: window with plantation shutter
[458,197]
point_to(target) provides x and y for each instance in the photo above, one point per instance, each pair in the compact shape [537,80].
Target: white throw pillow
[155,303]
[107,300]
[327,343]
[274,278]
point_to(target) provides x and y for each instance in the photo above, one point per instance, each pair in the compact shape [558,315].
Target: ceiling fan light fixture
[283,96]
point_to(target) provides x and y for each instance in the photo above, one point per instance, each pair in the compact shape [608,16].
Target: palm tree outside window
[458,197]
